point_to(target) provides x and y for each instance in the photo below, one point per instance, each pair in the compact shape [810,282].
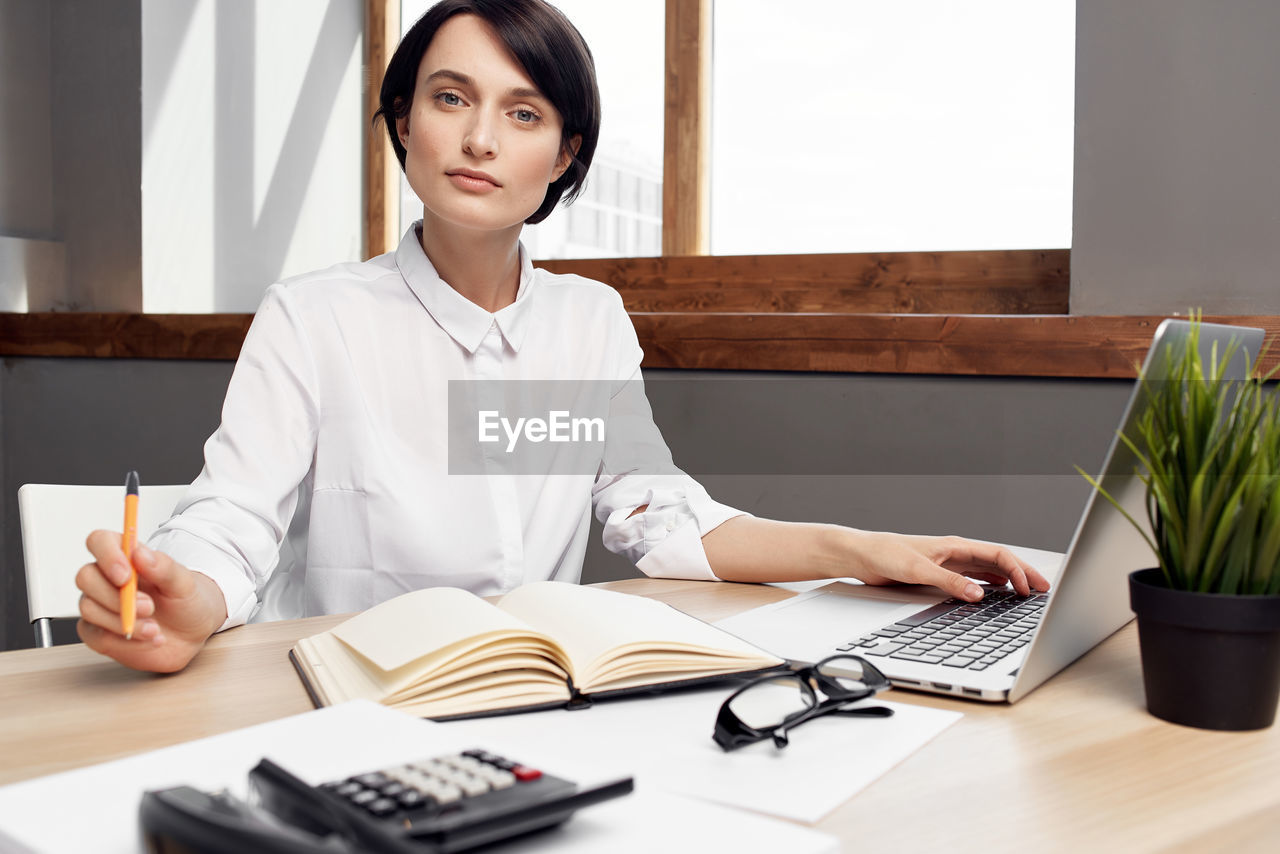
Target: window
[838,127]
[877,127]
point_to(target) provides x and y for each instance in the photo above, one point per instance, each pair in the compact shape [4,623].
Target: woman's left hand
[949,563]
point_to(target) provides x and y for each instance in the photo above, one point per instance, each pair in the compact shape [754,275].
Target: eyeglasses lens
[850,674]
[771,702]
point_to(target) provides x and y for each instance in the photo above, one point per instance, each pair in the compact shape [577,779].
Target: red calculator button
[525,774]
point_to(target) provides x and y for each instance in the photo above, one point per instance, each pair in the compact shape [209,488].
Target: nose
[481,139]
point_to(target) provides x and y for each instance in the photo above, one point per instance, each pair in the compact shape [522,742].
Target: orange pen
[129,593]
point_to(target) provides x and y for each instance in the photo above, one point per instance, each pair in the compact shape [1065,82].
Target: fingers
[100,600]
[984,557]
[108,620]
[154,568]
[147,641]
[952,564]
[109,555]
[94,585]
[921,570]
[1038,581]
[99,584]
[985,577]
[973,558]
[160,571]
[91,581]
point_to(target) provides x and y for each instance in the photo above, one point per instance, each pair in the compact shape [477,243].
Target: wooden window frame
[959,313]
[381,169]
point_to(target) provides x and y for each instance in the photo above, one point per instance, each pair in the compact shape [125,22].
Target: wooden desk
[1078,763]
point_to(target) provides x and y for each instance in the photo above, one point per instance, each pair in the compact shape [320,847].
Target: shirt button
[671,525]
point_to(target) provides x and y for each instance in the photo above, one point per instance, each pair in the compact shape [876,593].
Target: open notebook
[443,652]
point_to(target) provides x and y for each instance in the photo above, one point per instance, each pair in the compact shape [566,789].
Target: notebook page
[422,624]
[592,624]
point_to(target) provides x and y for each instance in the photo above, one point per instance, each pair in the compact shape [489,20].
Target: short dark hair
[549,49]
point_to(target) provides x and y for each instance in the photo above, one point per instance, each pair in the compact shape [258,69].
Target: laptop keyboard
[956,633]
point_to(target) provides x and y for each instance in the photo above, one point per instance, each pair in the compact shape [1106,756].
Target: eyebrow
[464,80]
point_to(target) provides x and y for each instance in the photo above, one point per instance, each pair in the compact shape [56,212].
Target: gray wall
[1177,185]
[90,421]
[988,458]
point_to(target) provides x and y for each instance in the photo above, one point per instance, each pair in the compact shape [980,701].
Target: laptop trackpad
[812,625]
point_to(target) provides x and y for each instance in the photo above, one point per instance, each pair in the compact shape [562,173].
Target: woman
[334,438]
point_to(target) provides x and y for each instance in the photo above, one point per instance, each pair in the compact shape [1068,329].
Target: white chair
[56,518]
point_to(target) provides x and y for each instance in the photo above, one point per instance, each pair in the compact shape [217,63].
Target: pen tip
[131,483]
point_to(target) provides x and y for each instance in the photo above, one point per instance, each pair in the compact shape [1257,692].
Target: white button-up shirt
[327,486]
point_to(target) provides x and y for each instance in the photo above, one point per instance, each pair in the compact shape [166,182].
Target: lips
[473,176]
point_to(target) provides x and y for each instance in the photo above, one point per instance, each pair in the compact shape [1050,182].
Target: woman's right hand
[177,609]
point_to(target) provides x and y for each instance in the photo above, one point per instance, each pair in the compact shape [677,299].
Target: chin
[484,221]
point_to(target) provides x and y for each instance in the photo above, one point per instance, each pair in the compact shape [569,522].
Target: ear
[566,156]
[402,129]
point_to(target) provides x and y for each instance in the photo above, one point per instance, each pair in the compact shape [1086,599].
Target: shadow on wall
[252,138]
[263,241]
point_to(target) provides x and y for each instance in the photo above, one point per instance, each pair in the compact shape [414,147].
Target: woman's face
[481,142]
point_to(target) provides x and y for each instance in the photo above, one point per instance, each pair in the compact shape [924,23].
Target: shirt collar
[466,322]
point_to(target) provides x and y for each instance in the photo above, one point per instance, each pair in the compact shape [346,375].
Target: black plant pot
[1209,660]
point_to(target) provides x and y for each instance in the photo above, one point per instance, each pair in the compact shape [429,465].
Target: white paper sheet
[666,740]
[96,808]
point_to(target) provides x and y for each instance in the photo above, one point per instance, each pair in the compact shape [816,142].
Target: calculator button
[411,799]
[382,807]
[391,789]
[371,781]
[347,789]
[364,796]
[500,779]
[525,774]
[472,786]
[446,793]
[431,766]
[449,775]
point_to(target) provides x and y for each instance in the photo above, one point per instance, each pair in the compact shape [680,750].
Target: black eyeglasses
[774,704]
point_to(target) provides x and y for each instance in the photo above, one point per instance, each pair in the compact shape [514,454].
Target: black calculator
[447,803]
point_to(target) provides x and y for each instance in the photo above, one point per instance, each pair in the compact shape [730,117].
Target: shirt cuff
[671,532]
[239,594]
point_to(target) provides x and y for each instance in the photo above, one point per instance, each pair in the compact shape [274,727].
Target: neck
[483,266]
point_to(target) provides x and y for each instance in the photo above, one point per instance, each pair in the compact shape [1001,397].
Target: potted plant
[1208,449]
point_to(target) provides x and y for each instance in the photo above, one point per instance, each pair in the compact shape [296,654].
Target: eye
[449,98]
[526,116]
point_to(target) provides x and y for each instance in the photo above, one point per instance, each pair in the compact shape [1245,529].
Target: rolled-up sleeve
[231,521]
[665,539]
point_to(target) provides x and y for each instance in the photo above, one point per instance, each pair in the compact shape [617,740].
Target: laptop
[1003,647]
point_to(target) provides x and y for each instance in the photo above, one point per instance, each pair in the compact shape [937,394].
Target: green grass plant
[1208,449]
